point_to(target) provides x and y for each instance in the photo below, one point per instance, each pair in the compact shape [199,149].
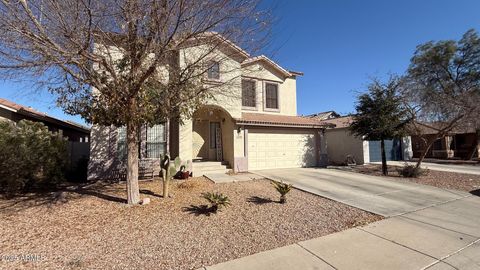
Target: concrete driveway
[438,230]
[371,193]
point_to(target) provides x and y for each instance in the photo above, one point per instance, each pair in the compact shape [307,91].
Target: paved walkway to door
[427,228]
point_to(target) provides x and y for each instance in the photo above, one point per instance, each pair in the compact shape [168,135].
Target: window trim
[265,97]
[251,108]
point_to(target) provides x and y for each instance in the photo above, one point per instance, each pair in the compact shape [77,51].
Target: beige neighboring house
[341,143]
[255,126]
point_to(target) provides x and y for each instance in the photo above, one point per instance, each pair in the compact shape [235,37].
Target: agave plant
[283,189]
[217,200]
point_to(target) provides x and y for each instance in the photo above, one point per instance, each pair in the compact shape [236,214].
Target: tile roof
[270,62]
[260,119]
[17,107]
[433,128]
[39,115]
[339,122]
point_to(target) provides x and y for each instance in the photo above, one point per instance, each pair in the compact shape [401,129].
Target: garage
[281,148]
[393,150]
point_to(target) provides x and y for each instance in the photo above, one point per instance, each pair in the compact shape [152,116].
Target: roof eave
[274,124]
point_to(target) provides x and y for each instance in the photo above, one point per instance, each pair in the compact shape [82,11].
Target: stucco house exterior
[254,126]
[341,143]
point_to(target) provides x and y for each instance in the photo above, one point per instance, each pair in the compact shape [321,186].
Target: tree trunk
[166,182]
[424,154]
[384,157]
[133,191]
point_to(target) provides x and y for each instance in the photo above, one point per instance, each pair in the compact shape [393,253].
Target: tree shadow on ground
[101,195]
[151,193]
[475,192]
[198,210]
[259,200]
[61,194]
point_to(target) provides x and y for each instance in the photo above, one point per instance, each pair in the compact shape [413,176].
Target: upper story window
[213,72]
[249,98]
[271,96]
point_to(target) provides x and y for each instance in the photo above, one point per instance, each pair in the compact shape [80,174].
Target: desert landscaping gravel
[447,180]
[94,229]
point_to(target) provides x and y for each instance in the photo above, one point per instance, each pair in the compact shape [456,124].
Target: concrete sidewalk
[468,169]
[446,236]
[431,228]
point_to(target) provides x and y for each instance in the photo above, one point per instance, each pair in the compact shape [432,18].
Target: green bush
[30,156]
[411,171]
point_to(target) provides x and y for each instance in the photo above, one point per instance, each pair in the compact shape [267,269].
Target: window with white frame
[213,72]
[249,98]
[271,96]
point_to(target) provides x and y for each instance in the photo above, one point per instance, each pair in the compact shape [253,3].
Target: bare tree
[135,56]
[443,89]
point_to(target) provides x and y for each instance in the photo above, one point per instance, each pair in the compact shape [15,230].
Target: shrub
[30,155]
[283,189]
[411,171]
[217,200]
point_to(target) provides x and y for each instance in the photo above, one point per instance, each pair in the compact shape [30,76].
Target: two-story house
[255,126]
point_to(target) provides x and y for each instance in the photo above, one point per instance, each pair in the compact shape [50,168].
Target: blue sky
[338,44]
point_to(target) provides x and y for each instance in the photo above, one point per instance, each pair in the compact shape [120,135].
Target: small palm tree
[283,189]
[217,200]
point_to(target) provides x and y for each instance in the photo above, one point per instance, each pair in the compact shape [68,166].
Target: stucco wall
[226,92]
[287,89]
[341,143]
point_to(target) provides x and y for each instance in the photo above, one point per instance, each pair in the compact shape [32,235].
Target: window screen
[155,141]
[248,93]
[271,96]
[214,71]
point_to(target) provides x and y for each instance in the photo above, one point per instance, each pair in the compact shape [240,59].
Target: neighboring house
[324,115]
[459,143]
[78,136]
[254,127]
[74,132]
[341,143]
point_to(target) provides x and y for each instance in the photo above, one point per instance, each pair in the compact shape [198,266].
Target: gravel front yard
[95,229]
[448,180]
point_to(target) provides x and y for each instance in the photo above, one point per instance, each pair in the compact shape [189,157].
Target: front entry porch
[209,134]
[210,138]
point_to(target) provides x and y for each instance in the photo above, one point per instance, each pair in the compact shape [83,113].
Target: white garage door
[269,149]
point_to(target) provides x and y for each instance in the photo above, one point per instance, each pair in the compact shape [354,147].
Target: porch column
[448,149]
[322,149]
[185,140]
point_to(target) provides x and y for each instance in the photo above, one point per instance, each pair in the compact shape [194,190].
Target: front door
[216,151]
